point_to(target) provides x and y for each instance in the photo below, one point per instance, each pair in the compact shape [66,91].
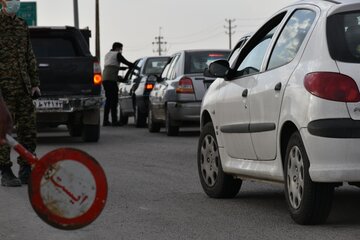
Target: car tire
[75,130]
[139,117]
[91,133]
[214,181]
[171,129]
[153,126]
[123,120]
[309,202]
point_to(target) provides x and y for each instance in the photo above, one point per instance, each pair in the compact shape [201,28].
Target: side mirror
[219,68]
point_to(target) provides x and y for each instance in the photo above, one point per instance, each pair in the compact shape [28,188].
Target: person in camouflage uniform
[5,120]
[19,81]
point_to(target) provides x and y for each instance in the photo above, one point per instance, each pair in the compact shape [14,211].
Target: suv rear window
[54,47]
[155,65]
[197,62]
[343,33]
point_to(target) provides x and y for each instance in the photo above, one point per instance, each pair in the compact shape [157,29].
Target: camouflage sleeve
[32,64]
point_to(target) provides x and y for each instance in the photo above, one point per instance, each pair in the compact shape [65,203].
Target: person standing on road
[5,121]
[19,81]
[110,82]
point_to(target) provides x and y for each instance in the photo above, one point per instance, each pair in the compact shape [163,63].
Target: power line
[199,40]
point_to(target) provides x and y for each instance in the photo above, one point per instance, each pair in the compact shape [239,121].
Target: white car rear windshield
[343,33]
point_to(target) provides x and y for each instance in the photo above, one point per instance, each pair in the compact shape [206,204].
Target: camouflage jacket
[17,60]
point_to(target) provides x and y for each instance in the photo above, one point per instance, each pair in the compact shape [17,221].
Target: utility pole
[159,42]
[76,14]
[97,34]
[230,31]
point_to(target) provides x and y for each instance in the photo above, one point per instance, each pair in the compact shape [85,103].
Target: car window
[343,34]
[235,53]
[135,72]
[170,73]
[252,55]
[165,71]
[291,37]
[54,47]
[197,62]
[155,65]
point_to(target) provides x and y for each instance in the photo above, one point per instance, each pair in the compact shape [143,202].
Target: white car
[287,109]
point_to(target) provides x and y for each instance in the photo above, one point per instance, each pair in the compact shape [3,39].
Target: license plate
[48,104]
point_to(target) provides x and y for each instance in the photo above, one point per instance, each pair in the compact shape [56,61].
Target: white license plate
[48,104]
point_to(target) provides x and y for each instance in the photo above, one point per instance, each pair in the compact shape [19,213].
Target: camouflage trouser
[22,109]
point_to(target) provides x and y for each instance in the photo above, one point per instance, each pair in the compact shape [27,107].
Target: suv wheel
[123,120]
[308,202]
[139,117]
[75,130]
[171,130]
[214,181]
[91,133]
[153,126]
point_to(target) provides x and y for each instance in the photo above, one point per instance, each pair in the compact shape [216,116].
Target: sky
[184,24]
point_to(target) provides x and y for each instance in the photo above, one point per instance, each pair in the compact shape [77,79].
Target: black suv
[70,81]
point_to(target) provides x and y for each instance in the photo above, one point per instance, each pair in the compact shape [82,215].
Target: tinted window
[54,47]
[197,62]
[252,62]
[291,38]
[343,32]
[155,65]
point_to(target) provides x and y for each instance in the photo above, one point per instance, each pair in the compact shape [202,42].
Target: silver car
[135,89]
[176,98]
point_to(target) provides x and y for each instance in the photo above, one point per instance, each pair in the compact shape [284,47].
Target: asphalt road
[155,193]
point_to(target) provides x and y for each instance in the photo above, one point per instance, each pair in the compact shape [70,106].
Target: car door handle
[278,86]
[245,93]
[44,65]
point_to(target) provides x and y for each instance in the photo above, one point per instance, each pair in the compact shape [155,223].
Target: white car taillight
[332,86]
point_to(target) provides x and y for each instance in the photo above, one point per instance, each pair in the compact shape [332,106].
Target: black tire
[309,202]
[139,117]
[214,181]
[75,130]
[123,120]
[171,129]
[91,133]
[153,126]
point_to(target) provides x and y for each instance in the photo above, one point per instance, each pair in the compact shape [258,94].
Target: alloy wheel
[209,160]
[295,177]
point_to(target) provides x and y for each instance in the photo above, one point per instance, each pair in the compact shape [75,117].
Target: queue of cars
[285,106]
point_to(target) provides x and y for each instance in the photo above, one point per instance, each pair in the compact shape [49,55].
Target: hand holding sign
[67,187]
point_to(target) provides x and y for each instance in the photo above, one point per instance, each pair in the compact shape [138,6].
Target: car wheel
[75,130]
[153,126]
[91,133]
[214,181]
[139,117]
[123,120]
[309,202]
[171,129]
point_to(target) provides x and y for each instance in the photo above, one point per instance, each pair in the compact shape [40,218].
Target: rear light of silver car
[332,86]
[97,74]
[185,86]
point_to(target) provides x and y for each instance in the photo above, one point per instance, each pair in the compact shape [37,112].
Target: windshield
[197,62]
[343,33]
[155,65]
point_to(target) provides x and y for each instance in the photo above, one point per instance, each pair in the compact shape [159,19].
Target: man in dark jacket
[110,82]
[19,81]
